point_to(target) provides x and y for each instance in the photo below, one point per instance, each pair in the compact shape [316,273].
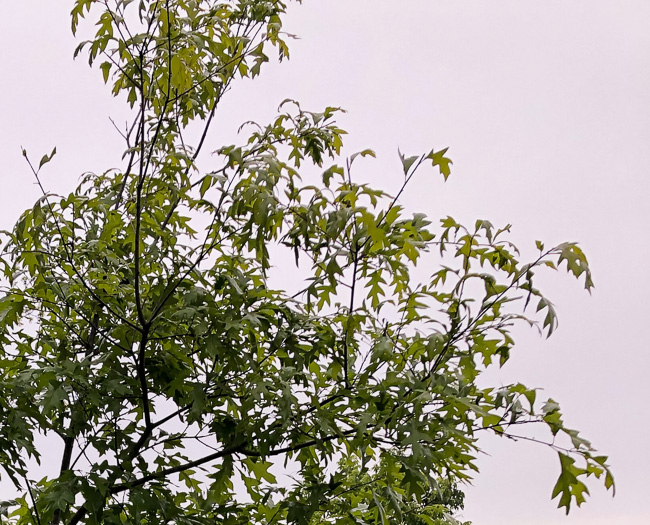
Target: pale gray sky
[545,108]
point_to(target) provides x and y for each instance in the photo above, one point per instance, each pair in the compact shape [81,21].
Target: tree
[140,327]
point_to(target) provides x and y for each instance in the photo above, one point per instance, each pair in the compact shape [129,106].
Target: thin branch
[138,209]
[31,496]
[65,466]
[142,377]
[239,449]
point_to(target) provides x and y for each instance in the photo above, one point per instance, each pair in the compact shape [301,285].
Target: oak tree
[141,331]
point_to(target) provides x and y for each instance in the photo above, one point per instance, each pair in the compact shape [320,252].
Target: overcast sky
[545,108]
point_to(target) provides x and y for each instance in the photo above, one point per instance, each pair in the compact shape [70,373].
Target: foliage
[140,329]
[373,494]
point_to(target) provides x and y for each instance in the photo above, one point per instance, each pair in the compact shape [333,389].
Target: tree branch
[142,377]
[239,449]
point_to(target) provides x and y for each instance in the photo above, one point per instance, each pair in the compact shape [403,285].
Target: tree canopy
[140,327]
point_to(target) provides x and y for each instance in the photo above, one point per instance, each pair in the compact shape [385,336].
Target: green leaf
[407,162]
[443,163]
[106,69]
[364,153]
[45,159]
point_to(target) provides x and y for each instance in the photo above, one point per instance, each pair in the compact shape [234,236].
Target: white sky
[545,108]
